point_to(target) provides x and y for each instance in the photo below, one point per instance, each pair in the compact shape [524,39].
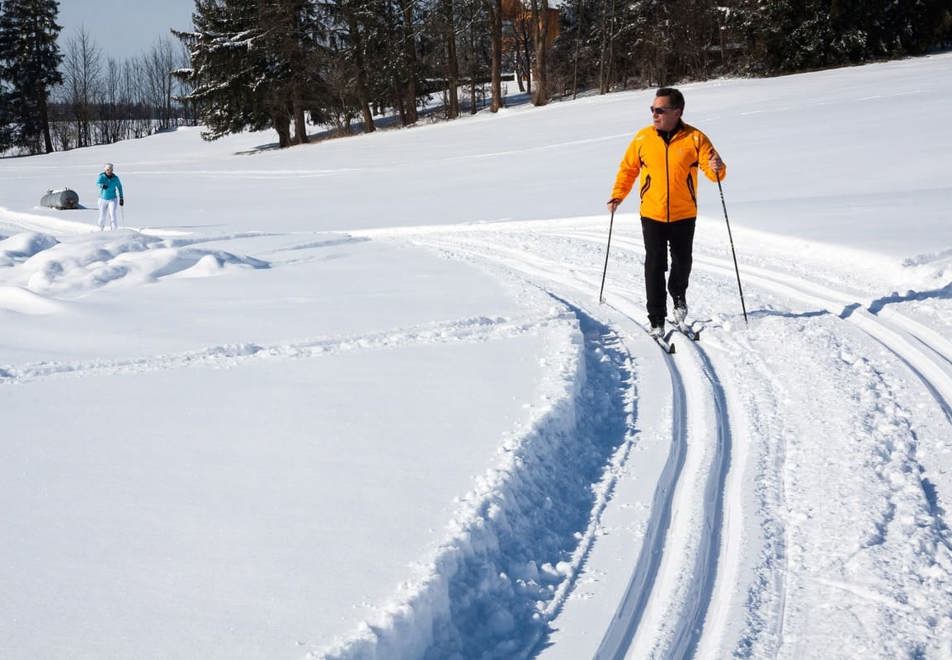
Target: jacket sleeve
[119,186]
[627,171]
[100,180]
[706,151]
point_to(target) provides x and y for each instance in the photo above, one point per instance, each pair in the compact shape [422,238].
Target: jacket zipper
[667,175]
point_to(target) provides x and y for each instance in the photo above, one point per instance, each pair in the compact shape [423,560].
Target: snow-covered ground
[358,399]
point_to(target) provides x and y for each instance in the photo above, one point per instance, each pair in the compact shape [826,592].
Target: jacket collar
[667,136]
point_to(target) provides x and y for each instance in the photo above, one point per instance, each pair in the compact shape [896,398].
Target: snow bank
[44,266]
[22,246]
[20,300]
[518,539]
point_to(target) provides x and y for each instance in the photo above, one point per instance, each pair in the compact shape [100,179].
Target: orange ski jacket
[668,184]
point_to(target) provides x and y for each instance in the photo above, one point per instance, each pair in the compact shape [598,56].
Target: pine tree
[29,65]
[254,64]
[6,120]
[351,29]
[917,24]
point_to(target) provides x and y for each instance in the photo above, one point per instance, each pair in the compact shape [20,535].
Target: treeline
[103,100]
[605,44]
[53,99]
[290,64]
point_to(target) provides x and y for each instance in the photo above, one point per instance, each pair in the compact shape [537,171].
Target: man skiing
[667,155]
[110,188]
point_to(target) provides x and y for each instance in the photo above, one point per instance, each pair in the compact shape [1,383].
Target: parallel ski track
[688,633]
[925,352]
[625,623]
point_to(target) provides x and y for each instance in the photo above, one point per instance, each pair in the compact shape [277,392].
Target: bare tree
[82,70]
[158,65]
[134,93]
[446,24]
[113,112]
[350,9]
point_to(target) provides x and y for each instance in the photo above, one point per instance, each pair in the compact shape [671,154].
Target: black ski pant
[658,236]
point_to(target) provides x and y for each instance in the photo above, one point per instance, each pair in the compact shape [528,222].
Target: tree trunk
[399,104]
[541,23]
[363,97]
[409,47]
[44,119]
[495,14]
[300,124]
[603,55]
[527,54]
[473,59]
[452,62]
[611,49]
[472,97]
[282,124]
[578,45]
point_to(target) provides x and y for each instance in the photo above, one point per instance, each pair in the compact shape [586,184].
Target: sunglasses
[661,110]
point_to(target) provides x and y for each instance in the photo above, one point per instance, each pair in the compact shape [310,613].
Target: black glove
[104,186]
[121,201]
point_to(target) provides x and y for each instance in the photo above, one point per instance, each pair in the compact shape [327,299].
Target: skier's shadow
[944,292]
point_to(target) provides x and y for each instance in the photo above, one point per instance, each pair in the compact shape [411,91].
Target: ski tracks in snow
[673,575]
[735,558]
[469,330]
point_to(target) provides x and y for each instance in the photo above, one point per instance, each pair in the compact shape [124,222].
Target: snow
[357,399]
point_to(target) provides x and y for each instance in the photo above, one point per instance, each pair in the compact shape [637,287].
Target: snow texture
[359,399]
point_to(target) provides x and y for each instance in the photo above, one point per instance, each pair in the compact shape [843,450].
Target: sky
[123,29]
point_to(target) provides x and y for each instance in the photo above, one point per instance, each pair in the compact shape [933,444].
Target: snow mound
[43,265]
[20,300]
[24,245]
[934,269]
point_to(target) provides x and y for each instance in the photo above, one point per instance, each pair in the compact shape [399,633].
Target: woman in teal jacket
[110,191]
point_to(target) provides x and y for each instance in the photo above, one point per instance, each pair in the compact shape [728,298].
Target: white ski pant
[110,207]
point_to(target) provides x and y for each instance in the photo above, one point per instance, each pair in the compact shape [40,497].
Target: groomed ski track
[684,592]
[927,353]
[678,561]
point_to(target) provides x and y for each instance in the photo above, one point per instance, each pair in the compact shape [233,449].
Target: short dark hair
[677,98]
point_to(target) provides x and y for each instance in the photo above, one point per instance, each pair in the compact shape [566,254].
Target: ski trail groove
[690,627]
[623,625]
[229,355]
[706,549]
[921,350]
[924,351]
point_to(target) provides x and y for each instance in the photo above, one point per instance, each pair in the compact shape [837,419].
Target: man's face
[108,170]
[663,116]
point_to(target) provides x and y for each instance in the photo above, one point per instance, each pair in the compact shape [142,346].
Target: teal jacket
[109,186]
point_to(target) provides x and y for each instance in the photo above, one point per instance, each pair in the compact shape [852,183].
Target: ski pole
[733,253]
[601,292]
